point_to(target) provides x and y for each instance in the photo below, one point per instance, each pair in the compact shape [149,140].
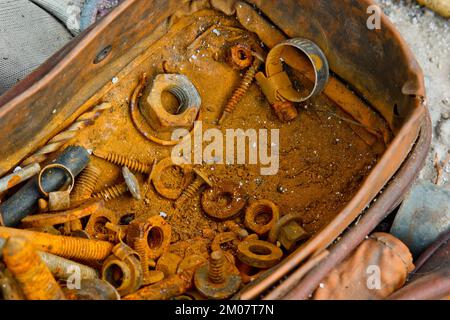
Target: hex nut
[188,97]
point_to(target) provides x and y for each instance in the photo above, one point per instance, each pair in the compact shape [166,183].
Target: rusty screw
[86,183]
[131,184]
[124,161]
[214,281]
[30,271]
[241,90]
[193,188]
[67,247]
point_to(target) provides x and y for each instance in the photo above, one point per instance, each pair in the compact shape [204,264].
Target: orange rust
[13,181]
[67,247]
[30,271]
[168,288]
[241,56]
[85,184]
[261,215]
[285,110]
[45,220]
[112,192]
[124,161]
[241,90]
[168,263]
[97,225]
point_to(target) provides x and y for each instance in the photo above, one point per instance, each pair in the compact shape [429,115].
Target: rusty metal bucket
[376,63]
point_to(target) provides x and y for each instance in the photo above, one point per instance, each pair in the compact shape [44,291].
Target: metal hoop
[51,166]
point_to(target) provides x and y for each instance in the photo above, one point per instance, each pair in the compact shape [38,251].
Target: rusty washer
[123,269]
[223,202]
[261,215]
[259,254]
[158,181]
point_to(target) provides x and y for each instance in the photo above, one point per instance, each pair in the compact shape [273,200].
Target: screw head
[132,183]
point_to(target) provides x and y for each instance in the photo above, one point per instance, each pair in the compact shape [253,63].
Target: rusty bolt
[124,161]
[61,268]
[150,238]
[193,188]
[30,271]
[214,280]
[85,184]
[67,247]
[241,90]
[131,184]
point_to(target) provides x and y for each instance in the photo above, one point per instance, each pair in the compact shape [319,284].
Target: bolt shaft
[67,247]
[63,268]
[123,161]
[30,271]
[136,233]
[112,192]
[216,267]
[86,183]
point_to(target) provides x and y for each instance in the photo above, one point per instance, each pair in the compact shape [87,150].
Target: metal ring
[315,55]
[51,166]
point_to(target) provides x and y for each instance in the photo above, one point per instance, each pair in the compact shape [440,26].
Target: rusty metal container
[377,64]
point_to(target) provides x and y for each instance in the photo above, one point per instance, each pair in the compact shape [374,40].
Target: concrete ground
[428,35]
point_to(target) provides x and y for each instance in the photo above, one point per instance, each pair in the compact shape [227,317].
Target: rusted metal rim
[385,204]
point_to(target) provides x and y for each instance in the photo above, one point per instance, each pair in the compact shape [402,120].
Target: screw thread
[67,247]
[216,267]
[112,192]
[31,273]
[242,89]
[123,161]
[136,236]
[190,191]
[86,183]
